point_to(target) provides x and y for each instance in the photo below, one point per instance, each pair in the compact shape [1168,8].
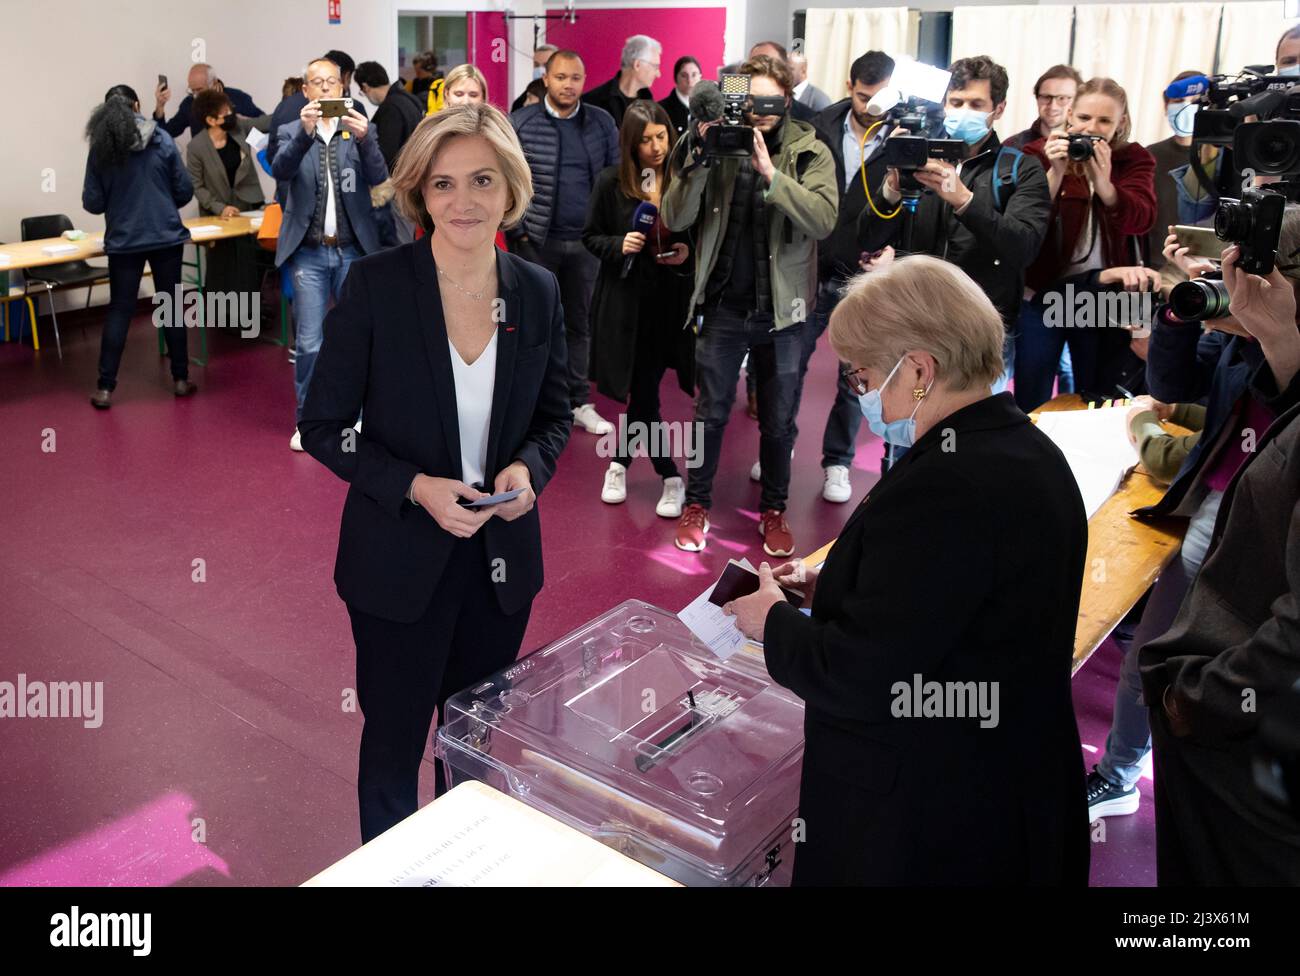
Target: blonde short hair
[416,160]
[920,302]
[464,72]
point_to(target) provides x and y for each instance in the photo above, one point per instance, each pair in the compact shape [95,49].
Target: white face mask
[539,70]
[1290,71]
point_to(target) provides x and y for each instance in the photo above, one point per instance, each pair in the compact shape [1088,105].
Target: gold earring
[919,393]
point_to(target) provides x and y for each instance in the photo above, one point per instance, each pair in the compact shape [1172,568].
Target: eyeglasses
[851,377]
[323,82]
[1058,99]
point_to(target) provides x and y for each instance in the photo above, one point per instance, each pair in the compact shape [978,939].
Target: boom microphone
[1187,88]
[642,221]
[707,103]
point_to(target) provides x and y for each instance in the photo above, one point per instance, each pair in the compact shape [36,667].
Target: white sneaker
[615,490]
[836,487]
[295,442]
[586,417]
[670,502]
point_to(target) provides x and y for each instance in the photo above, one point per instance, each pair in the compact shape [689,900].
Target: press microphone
[1187,88]
[707,103]
[642,220]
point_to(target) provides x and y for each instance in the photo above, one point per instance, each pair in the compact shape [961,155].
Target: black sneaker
[1105,799]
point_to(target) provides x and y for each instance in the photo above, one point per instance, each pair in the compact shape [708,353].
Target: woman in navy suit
[456,352]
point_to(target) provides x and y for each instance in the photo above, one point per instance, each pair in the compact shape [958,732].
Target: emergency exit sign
[335,11]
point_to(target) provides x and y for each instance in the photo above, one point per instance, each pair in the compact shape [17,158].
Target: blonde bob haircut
[462,73]
[920,303]
[415,163]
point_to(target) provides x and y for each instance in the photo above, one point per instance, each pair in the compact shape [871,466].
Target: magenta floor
[223,720]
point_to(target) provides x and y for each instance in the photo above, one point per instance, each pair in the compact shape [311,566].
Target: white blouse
[475,383]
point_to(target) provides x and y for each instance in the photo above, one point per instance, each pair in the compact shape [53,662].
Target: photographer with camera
[1103,204]
[987,211]
[1233,651]
[757,219]
[1243,380]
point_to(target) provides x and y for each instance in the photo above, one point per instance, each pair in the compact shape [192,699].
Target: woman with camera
[1103,204]
[641,296]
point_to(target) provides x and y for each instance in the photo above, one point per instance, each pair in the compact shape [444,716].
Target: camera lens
[1199,299]
[1079,150]
[1232,221]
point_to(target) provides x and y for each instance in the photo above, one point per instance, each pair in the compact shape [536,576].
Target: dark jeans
[774,360]
[1097,355]
[643,399]
[405,671]
[576,268]
[124,274]
[845,418]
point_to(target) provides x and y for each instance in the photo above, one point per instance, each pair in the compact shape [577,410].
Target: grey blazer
[211,188]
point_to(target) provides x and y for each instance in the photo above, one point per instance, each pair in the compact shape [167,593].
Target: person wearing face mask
[639,302]
[1102,209]
[540,56]
[224,173]
[1180,199]
[1286,61]
[893,791]
[677,103]
[987,214]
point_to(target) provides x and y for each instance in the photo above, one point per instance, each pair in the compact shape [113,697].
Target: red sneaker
[691,528]
[778,540]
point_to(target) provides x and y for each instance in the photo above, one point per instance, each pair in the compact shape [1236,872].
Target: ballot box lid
[633,731]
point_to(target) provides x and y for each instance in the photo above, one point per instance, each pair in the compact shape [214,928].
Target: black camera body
[1254,223]
[1271,147]
[733,137]
[1082,146]
[911,152]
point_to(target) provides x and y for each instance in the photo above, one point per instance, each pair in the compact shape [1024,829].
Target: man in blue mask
[987,213]
[1179,197]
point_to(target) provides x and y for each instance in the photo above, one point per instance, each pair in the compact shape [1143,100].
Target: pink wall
[482,29]
[599,34]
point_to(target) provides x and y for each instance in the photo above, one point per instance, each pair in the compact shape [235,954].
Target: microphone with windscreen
[642,222]
[707,103]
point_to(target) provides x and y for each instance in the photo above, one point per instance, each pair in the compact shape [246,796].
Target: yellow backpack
[434,103]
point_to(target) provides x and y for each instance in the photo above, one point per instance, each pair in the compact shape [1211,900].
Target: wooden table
[29,254]
[1125,554]
[476,836]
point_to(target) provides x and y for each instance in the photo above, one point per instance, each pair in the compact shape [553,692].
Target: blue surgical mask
[896,433]
[1290,71]
[969,126]
[1181,118]
[539,70]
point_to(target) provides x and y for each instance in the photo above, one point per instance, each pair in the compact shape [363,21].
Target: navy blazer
[297,164]
[385,349]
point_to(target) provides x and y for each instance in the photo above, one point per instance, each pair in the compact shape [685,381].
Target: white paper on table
[204,229]
[53,249]
[257,140]
[1096,445]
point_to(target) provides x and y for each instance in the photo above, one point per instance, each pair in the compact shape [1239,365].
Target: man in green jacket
[757,223]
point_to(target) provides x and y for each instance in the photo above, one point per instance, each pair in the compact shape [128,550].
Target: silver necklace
[476,295]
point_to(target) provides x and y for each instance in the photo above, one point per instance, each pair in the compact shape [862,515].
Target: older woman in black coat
[941,744]
[636,313]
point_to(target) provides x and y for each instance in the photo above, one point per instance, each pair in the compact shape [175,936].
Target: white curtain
[838,37]
[1025,40]
[1250,33]
[1142,47]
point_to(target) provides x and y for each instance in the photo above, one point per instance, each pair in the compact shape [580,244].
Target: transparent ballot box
[634,732]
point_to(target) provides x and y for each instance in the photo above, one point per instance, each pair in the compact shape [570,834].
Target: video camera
[911,152]
[733,137]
